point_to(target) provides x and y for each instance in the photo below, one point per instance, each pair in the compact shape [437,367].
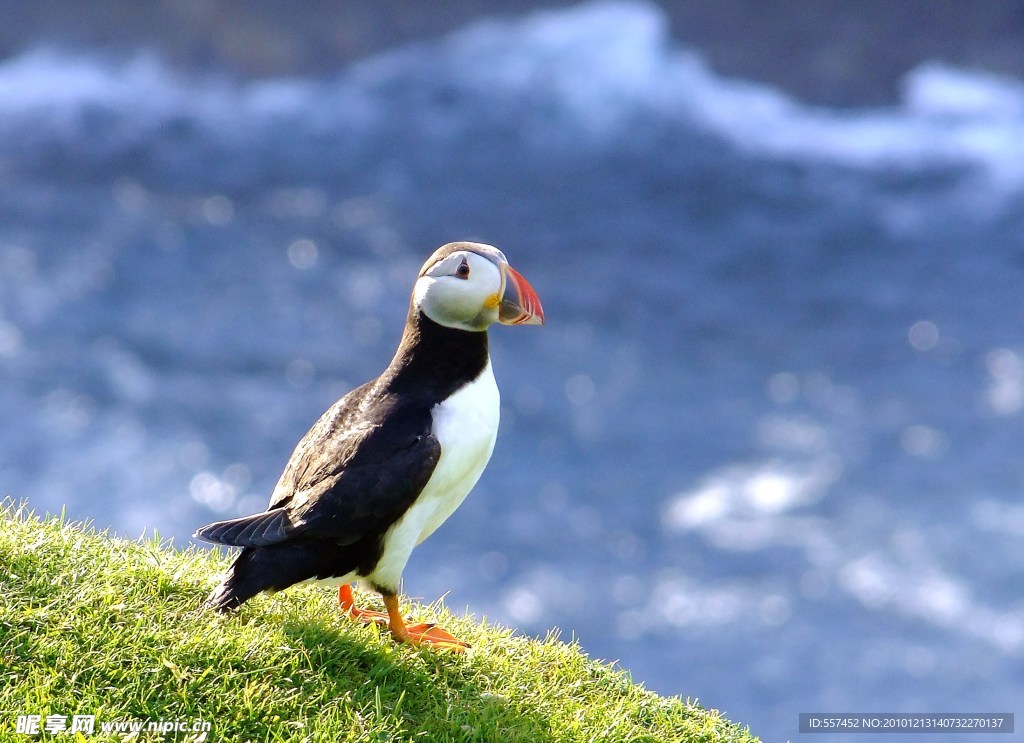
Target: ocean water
[766,453]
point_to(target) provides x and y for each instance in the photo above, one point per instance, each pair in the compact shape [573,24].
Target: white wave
[920,590]
[759,507]
[604,66]
[595,73]
[603,70]
[605,63]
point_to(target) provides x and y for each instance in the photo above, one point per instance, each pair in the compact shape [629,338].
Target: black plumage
[355,473]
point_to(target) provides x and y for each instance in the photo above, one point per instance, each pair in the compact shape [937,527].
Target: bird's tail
[279,566]
[240,583]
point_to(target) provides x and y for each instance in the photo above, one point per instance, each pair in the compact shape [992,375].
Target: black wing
[354,473]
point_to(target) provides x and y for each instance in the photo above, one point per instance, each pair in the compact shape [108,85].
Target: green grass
[91,624]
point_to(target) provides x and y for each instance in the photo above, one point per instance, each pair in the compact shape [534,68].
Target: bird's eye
[463,270]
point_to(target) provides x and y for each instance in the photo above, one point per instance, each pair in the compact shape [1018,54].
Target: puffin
[390,461]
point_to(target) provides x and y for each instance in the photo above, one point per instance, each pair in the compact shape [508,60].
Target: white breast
[466,425]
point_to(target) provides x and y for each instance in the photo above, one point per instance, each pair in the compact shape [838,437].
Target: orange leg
[348,605]
[420,634]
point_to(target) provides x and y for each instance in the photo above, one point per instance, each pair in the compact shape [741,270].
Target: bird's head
[469,286]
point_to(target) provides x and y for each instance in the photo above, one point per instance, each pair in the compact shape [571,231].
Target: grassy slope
[94,625]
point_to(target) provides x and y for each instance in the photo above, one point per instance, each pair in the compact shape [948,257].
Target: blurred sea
[767,451]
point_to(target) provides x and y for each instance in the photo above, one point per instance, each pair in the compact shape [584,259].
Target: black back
[372,452]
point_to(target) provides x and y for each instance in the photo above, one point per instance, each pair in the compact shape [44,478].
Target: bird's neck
[436,358]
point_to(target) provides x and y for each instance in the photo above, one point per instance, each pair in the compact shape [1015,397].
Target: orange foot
[432,635]
[417,634]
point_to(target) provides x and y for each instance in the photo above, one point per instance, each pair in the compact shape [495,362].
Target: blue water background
[767,452]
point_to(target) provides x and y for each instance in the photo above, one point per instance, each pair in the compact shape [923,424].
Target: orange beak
[520,304]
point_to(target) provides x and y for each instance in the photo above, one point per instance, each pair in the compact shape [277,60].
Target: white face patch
[458,291]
